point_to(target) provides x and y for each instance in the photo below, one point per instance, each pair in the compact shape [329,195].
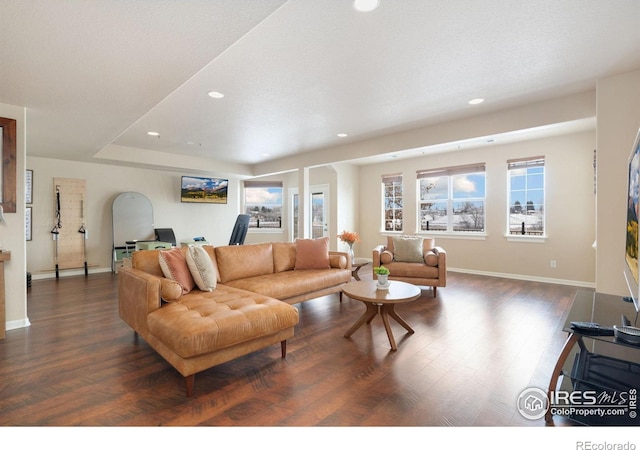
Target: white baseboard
[69,273]
[15,324]
[514,276]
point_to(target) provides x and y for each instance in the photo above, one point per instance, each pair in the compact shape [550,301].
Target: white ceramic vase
[383,282]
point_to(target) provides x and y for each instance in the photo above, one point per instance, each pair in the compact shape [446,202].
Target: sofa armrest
[339,260]
[442,264]
[138,295]
[377,251]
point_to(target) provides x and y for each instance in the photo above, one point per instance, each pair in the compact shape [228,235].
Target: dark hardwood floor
[476,346]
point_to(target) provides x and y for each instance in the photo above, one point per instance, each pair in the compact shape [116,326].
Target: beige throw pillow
[201,268]
[407,249]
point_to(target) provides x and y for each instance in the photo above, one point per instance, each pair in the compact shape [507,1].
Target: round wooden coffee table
[381,302]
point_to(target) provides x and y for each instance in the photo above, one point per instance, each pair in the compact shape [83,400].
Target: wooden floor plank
[481,341]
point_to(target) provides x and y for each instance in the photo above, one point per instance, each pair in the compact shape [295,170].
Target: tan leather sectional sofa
[249,309]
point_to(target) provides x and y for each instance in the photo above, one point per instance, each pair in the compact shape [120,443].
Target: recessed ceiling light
[153,133]
[365,5]
[342,135]
[476,101]
[215,94]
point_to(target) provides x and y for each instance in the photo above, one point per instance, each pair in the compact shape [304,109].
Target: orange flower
[350,237]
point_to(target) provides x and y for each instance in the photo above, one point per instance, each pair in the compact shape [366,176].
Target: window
[452,199]
[526,196]
[263,202]
[392,198]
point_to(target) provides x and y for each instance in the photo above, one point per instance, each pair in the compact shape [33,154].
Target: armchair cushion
[408,249]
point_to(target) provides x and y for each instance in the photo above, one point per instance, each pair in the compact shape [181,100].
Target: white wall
[356,205]
[570,210]
[618,109]
[342,182]
[104,183]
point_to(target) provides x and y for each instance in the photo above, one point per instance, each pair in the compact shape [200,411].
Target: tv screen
[203,190]
[631,244]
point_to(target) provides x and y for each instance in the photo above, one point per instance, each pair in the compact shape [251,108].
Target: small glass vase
[350,252]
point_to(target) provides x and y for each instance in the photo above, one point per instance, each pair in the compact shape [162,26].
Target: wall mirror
[8,173]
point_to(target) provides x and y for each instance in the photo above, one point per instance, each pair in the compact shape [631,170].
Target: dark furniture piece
[166,235]
[603,366]
[356,265]
[240,230]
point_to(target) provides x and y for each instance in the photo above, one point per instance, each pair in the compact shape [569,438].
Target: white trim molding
[516,276]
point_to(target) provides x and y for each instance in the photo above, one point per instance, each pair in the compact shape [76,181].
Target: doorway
[319,212]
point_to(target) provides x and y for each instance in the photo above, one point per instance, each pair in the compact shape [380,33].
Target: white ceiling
[96,75]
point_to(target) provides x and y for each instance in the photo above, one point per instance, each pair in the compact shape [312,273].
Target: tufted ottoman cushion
[203,322]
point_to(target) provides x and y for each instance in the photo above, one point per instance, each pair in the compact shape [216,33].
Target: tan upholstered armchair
[413,259]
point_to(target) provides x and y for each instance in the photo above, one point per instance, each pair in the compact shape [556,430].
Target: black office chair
[240,230]
[166,235]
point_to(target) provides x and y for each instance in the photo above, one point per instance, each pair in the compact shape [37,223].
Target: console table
[616,362]
[4,256]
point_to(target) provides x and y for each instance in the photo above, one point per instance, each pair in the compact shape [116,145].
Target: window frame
[252,184]
[527,163]
[449,173]
[396,181]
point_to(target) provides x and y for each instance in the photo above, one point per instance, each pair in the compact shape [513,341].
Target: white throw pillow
[201,267]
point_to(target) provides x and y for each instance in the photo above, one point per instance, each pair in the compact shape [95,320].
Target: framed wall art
[28,192]
[27,223]
[203,190]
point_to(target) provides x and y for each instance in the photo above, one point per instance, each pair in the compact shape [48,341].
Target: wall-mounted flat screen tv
[633,208]
[203,190]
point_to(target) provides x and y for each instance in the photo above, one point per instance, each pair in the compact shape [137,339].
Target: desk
[4,256]
[151,245]
[618,361]
[188,243]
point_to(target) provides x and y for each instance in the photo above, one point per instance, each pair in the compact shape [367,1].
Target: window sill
[475,236]
[265,230]
[532,239]
[479,236]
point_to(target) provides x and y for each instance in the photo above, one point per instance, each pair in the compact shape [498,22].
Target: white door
[319,211]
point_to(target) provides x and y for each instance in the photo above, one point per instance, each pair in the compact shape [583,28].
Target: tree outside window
[452,199]
[263,202]
[392,202]
[526,196]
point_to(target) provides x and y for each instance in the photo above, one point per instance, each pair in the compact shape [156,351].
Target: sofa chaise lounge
[248,307]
